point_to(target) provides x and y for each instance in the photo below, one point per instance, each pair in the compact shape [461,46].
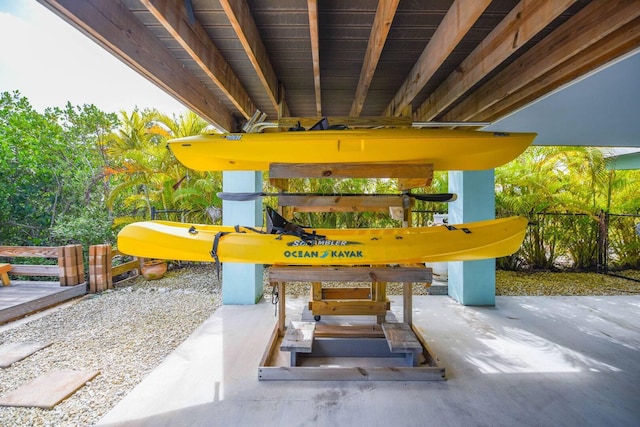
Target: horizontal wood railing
[69,268]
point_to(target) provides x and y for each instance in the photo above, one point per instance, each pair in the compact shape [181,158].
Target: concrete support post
[242,283]
[472,282]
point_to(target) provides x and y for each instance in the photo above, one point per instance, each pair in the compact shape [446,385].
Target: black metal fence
[606,243]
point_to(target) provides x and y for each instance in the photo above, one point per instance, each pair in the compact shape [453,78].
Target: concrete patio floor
[528,361]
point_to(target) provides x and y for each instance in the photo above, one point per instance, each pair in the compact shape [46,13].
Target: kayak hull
[187,242]
[445,149]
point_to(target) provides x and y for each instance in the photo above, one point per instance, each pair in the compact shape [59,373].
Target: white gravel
[124,334]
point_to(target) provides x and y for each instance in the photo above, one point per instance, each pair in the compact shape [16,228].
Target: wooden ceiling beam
[379,32]
[457,22]
[312,6]
[241,20]
[524,21]
[193,38]
[113,26]
[617,44]
[593,23]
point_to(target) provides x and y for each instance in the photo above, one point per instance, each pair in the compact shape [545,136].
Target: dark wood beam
[379,32]
[459,19]
[115,28]
[194,39]
[525,21]
[622,41]
[593,23]
[242,22]
[312,6]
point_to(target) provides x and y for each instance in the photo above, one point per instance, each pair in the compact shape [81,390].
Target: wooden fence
[69,269]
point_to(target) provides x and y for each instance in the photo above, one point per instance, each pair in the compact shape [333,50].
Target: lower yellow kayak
[199,242]
[445,149]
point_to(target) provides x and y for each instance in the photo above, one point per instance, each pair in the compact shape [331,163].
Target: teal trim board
[242,283]
[628,161]
[472,282]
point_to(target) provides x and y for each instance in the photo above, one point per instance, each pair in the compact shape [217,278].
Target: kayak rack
[387,350]
[317,348]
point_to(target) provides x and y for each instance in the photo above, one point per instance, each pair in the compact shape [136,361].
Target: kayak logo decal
[232,137]
[322,242]
[323,254]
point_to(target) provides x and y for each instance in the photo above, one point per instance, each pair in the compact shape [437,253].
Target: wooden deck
[26,297]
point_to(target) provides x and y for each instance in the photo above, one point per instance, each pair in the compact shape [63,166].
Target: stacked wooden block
[100,273]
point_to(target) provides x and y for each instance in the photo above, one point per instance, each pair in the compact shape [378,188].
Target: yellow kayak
[199,242]
[445,149]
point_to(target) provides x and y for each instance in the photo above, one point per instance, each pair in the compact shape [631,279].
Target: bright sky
[50,63]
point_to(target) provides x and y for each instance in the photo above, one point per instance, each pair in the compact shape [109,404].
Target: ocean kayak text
[323,254]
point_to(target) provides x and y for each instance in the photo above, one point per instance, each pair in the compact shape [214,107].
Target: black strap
[452,228]
[277,224]
[214,250]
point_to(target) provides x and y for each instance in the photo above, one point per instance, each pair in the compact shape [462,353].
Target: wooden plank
[524,21]
[454,26]
[4,274]
[350,170]
[196,42]
[35,270]
[242,22]
[360,203]
[582,31]
[379,31]
[277,373]
[29,251]
[614,45]
[109,23]
[345,293]
[312,7]
[405,184]
[352,331]
[47,390]
[401,338]
[24,298]
[362,121]
[349,308]
[15,351]
[123,268]
[349,274]
[298,337]
[282,304]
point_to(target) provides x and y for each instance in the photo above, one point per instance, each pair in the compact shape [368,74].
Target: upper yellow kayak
[197,242]
[445,149]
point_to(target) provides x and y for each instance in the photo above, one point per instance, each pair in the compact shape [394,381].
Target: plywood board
[48,390]
[15,351]
[401,338]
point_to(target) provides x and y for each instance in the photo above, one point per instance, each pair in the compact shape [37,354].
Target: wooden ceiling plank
[196,42]
[381,25]
[115,28]
[241,20]
[617,44]
[524,21]
[459,19]
[593,23]
[312,6]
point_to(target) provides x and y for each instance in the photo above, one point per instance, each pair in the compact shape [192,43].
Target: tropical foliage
[78,174]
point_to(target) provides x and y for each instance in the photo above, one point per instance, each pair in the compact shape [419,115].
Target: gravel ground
[126,333]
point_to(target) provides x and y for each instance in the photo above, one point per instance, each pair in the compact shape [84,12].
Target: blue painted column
[472,282]
[242,283]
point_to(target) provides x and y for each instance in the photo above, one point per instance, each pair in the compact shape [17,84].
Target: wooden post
[70,266]
[100,278]
[282,303]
